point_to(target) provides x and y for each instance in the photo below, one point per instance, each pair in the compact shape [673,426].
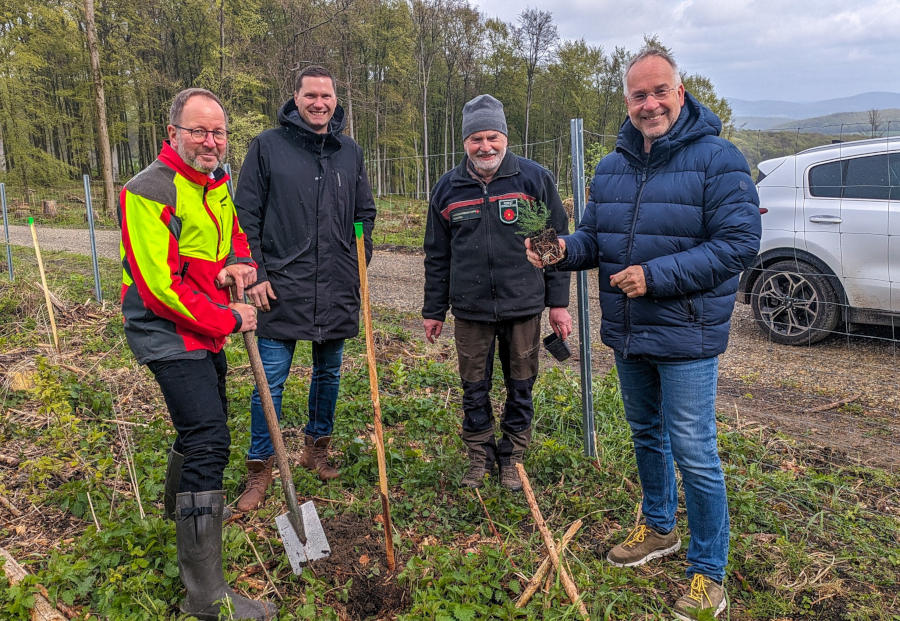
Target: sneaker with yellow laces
[643,544]
[704,594]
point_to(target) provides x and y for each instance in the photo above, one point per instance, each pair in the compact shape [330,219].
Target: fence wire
[836,385]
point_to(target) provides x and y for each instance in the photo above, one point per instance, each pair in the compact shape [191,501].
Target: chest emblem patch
[508,210]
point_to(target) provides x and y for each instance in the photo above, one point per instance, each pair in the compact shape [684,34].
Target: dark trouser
[519,341]
[194,391]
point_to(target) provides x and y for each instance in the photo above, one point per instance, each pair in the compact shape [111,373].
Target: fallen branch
[535,582]
[834,404]
[10,506]
[6,460]
[568,585]
[494,531]
[43,610]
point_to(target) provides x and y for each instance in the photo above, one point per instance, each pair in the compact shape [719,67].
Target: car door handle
[825,219]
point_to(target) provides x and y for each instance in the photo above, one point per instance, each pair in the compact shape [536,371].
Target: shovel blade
[316,546]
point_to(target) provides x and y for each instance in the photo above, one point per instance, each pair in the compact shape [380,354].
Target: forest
[404,69]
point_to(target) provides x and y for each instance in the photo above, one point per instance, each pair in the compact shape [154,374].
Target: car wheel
[793,304]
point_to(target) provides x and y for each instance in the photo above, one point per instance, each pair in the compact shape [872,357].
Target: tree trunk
[100,108]
[221,39]
[425,143]
[525,150]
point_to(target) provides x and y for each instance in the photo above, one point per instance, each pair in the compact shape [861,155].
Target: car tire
[794,304]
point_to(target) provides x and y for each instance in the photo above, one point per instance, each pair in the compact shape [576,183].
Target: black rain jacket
[297,198]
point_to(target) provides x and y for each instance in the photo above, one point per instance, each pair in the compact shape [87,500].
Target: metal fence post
[584,319]
[6,231]
[230,183]
[98,290]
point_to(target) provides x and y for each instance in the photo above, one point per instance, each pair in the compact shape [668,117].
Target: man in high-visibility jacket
[181,244]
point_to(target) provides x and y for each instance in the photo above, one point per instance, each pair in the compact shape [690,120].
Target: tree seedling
[534,224]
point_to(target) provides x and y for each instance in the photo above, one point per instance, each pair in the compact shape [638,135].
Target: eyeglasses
[659,94]
[199,134]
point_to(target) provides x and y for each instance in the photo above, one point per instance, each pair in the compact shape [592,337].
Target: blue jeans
[671,408]
[277,356]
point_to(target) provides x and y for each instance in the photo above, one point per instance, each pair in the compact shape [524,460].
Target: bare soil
[374,592]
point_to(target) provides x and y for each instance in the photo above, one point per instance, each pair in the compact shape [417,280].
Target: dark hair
[313,71]
[647,52]
[181,99]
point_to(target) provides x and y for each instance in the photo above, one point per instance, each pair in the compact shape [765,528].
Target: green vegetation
[812,537]
[403,71]
[534,217]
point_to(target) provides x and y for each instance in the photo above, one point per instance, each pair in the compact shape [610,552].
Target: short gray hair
[181,99]
[647,52]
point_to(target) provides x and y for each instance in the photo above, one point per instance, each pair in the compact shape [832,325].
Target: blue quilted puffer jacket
[687,212]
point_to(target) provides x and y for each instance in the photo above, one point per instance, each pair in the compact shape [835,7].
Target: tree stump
[49,208]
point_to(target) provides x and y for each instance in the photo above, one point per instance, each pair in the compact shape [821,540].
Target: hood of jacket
[694,121]
[289,116]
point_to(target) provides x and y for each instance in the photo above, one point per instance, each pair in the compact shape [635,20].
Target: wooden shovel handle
[268,406]
[373,387]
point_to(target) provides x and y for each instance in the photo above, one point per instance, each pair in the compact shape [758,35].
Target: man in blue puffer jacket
[673,218]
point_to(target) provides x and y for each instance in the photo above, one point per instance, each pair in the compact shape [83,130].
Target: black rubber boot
[512,451]
[173,480]
[198,534]
[482,451]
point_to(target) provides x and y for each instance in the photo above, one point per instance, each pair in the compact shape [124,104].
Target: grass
[812,535]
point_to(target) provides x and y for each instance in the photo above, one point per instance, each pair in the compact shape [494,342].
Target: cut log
[43,610]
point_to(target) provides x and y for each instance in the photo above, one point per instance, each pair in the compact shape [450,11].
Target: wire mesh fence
[814,346]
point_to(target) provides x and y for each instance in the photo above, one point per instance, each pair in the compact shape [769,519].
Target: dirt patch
[374,592]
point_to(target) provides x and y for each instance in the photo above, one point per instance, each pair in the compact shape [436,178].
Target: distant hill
[844,123]
[760,122]
[804,110]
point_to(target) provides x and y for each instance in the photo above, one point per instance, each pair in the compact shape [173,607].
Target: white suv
[830,250]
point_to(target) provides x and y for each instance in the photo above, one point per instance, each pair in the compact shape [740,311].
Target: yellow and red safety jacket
[179,229]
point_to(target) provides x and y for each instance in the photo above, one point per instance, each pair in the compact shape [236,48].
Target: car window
[825,180]
[894,165]
[867,177]
[872,177]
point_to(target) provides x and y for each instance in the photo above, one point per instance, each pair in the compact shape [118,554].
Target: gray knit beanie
[483,113]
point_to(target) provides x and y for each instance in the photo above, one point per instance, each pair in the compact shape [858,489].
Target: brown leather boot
[259,477]
[315,457]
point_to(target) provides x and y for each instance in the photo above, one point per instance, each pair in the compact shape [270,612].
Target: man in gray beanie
[475,266]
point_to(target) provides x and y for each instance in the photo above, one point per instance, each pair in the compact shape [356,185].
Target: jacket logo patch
[509,210]
[471,213]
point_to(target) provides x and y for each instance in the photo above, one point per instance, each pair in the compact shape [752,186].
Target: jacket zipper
[486,201]
[634,215]
[215,220]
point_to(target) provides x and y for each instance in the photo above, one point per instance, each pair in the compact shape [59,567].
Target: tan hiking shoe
[481,449]
[704,594]
[315,457]
[259,477]
[643,544]
[512,451]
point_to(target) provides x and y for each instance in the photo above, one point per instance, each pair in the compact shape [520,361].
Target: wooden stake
[568,585]
[535,582]
[40,262]
[376,402]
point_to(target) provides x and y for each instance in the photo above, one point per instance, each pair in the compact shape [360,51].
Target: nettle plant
[534,224]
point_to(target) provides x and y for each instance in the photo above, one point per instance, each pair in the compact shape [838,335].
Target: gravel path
[843,393]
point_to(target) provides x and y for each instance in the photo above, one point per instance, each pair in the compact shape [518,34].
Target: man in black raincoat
[301,188]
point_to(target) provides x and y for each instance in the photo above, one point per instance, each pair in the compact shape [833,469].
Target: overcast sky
[765,49]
